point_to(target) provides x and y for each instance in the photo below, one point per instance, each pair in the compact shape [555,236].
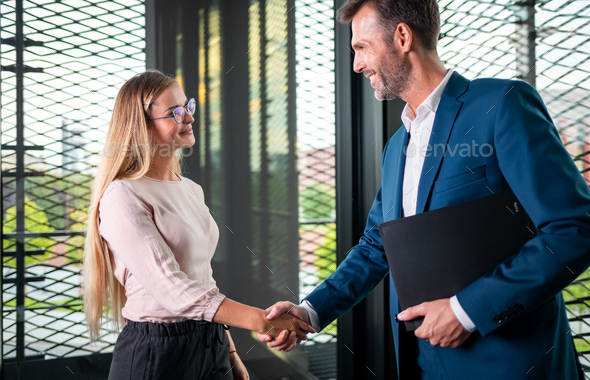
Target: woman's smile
[187,132]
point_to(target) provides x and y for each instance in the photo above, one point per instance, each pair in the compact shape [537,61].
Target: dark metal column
[160,35]
[347,179]
[20,185]
[190,72]
[151,52]
[235,100]
[525,41]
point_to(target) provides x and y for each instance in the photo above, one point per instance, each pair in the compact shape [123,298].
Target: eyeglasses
[179,113]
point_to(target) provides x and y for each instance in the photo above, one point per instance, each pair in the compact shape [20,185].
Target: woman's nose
[188,118]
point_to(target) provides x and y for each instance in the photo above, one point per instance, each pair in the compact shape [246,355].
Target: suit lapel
[444,120]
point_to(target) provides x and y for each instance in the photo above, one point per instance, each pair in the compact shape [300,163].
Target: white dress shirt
[419,126]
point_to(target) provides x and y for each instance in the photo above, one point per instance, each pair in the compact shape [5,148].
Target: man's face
[376,57]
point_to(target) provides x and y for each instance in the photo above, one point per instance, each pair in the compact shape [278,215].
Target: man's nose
[359,64]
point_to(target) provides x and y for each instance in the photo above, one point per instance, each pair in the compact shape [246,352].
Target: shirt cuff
[462,315]
[212,306]
[313,316]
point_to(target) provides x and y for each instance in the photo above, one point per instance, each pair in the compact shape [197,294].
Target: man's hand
[284,341]
[440,327]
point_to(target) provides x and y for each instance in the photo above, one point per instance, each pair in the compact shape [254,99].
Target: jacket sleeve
[126,224]
[545,179]
[358,274]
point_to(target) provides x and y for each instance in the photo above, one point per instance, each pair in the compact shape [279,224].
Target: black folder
[436,254]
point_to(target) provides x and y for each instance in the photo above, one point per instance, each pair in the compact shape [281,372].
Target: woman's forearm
[232,345]
[235,314]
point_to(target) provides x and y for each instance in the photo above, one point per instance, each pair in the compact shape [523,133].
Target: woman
[149,245]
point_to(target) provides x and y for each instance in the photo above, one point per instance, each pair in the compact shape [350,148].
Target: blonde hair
[129,151]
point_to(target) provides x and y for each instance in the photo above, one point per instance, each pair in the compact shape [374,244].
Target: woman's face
[168,134]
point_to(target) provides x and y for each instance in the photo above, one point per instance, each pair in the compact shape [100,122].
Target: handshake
[290,325]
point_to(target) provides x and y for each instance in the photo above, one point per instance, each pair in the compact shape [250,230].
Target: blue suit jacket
[498,135]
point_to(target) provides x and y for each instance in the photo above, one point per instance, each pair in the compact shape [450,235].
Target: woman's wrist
[264,324]
[233,358]
[233,313]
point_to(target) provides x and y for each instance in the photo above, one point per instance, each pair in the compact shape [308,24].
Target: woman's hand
[287,322]
[238,370]
[233,313]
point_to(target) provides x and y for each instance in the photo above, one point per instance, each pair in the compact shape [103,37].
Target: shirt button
[416,166]
[418,132]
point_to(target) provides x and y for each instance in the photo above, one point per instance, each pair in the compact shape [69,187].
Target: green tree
[326,258]
[574,296]
[56,194]
[75,244]
[35,220]
[318,201]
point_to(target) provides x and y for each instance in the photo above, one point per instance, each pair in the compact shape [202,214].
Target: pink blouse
[161,239]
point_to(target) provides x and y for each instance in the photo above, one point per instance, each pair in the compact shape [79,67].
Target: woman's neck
[162,168]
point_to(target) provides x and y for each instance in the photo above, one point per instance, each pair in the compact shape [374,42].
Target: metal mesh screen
[563,80]
[77,54]
[316,154]
[314,23]
[547,44]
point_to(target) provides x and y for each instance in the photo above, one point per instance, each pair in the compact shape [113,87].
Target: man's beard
[394,77]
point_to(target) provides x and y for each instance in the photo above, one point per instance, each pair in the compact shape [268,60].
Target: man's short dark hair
[422,16]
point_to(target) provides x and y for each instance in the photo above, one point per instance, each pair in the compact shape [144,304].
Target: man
[510,323]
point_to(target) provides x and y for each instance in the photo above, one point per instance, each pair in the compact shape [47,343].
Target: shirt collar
[430,103]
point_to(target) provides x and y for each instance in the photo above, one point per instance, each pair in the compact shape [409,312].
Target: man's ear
[403,38]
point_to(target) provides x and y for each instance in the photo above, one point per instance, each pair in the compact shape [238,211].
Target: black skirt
[187,350]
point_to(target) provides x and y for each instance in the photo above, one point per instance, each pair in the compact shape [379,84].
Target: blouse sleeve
[126,223]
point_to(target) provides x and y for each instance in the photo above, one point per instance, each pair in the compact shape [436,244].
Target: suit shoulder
[496,85]
[394,141]
[397,137]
